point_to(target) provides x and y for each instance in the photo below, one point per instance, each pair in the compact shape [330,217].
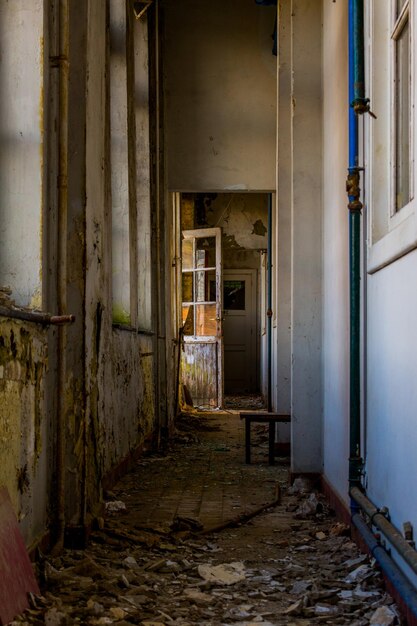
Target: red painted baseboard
[16,574]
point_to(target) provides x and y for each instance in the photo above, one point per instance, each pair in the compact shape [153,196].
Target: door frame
[200,233]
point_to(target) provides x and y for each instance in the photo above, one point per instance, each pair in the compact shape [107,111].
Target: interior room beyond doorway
[222,293]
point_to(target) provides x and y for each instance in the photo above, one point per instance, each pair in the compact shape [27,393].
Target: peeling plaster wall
[220,81]
[120,412]
[131,370]
[98,240]
[243,219]
[27,460]
[120,408]
[108,401]
[25,449]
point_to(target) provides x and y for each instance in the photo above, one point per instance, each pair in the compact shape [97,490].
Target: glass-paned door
[202,356]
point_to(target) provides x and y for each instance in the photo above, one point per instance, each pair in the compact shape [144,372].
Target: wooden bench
[263,418]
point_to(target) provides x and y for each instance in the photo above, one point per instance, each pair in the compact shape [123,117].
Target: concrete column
[282,225]
[306,218]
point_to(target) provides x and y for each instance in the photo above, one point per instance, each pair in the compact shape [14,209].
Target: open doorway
[222,241]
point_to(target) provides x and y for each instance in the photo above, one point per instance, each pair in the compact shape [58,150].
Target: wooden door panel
[199,372]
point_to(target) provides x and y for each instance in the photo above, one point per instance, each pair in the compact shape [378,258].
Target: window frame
[397,228]
[398,24]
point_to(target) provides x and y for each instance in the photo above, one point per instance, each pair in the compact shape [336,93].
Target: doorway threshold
[245,402]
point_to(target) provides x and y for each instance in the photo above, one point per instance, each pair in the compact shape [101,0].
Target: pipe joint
[353,190]
[356,465]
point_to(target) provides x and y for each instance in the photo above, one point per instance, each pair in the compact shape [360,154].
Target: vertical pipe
[269,306]
[356,96]
[63,22]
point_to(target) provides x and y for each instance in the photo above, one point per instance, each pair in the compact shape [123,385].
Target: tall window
[22,193]
[390,174]
[402,103]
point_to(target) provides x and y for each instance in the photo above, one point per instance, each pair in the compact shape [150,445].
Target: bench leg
[271,443]
[247,441]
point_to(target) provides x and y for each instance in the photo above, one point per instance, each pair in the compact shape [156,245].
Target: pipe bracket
[383,512]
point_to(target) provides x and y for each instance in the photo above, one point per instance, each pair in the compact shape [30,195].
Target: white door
[240,331]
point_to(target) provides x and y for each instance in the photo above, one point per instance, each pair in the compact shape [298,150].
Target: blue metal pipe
[390,569]
[353,120]
[356,94]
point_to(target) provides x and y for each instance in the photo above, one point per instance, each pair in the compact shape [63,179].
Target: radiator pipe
[380,521]
[390,569]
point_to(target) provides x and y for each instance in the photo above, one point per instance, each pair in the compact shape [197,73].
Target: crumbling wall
[243,218]
[24,428]
[91,381]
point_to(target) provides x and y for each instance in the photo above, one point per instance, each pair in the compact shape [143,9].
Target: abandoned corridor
[194,536]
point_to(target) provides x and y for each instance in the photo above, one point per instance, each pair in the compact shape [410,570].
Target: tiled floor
[204,478]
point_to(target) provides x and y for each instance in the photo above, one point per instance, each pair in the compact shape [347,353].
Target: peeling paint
[259,228]
[120,315]
[23,362]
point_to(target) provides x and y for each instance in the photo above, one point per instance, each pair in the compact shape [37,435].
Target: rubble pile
[305,573]
[293,564]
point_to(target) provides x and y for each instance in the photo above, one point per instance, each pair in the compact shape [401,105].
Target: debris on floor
[280,567]
[245,402]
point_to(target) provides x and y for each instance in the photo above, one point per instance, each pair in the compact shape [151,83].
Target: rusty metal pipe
[63,86]
[45,319]
[390,569]
[380,521]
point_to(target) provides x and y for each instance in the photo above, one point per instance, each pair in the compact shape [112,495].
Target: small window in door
[234,295]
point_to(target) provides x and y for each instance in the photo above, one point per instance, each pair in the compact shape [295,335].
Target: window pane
[212,289]
[200,286]
[119,155]
[402,118]
[234,295]
[205,252]
[187,254]
[188,319]
[187,287]
[206,324]
[21,150]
